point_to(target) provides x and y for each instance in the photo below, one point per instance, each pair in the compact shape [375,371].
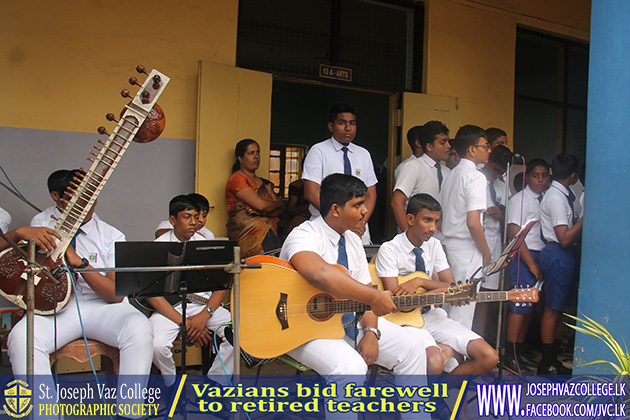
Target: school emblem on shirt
[18,399]
[93,258]
[357,173]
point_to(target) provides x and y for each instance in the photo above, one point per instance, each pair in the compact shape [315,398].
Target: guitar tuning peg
[102,130]
[134,81]
[125,93]
[110,117]
[140,69]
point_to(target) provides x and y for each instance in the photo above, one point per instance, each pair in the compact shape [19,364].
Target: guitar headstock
[461,294]
[523,296]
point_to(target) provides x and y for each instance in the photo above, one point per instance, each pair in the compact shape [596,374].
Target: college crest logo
[18,399]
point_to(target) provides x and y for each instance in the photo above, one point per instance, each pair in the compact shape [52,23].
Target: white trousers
[165,331]
[116,324]
[464,259]
[401,350]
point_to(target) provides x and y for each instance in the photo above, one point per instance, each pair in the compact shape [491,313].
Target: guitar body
[280,310]
[13,287]
[403,317]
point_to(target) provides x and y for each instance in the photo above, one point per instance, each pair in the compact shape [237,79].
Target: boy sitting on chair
[417,250]
[183,215]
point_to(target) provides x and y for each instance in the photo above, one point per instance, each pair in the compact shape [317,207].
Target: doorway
[299,118]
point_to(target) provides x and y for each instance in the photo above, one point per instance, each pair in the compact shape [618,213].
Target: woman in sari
[252,204]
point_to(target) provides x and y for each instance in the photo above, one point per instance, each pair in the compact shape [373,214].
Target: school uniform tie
[347,319]
[571,198]
[440,176]
[347,168]
[420,266]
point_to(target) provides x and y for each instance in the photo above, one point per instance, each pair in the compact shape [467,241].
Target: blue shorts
[559,267]
[520,271]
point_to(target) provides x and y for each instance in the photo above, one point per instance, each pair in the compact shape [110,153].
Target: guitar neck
[491,296]
[408,301]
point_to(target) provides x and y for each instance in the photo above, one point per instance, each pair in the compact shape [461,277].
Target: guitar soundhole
[320,307]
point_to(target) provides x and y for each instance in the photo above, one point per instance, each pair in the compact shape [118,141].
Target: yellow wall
[470,50]
[64,62]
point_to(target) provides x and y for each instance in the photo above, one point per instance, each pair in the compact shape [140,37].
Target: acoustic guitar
[142,120]
[413,317]
[280,310]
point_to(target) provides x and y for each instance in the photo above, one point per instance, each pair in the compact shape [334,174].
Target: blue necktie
[571,201]
[342,256]
[440,177]
[348,317]
[419,260]
[493,196]
[347,168]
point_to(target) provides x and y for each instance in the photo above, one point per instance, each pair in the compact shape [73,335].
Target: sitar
[142,120]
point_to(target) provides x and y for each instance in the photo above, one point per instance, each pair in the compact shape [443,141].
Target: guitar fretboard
[491,296]
[408,301]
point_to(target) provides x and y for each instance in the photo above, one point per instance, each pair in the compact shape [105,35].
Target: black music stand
[195,274]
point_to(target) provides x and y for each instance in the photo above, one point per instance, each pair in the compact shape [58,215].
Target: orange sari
[249,230]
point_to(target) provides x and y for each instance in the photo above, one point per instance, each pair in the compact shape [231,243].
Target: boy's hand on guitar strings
[383,303]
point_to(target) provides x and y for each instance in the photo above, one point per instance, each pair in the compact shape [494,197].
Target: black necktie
[440,177]
[347,168]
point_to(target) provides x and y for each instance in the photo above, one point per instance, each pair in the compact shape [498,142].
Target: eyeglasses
[485,145]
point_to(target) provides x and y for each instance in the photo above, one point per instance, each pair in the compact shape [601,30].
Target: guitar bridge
[281,311]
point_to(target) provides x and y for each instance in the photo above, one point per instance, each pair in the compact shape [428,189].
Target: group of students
[442,210]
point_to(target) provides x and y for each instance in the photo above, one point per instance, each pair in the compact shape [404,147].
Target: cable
[9,179]
[87,348]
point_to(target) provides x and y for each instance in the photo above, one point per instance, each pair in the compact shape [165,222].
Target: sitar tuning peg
[110,117]
[140,69]
[125,93]
[102,130]
[134,81]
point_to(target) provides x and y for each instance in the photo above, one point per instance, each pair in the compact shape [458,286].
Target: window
[551,83]
[285,166]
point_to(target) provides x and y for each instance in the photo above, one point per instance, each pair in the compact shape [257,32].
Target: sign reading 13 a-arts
[332,72]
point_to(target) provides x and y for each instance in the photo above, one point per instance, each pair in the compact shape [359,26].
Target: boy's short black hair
[414,135]
[339,189]
[494,133]
[563,166]
[468,135]
[60,180]
[430,131]
[535,163]
[201,201]
[500,155]
[181,203]
[339,109]
[422,201]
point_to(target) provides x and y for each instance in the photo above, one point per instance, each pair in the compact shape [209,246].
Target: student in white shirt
[339,154]
[400,257]
[464,201]
[426,174]
[524,271]
[204,209]
[183,215]
[559,260]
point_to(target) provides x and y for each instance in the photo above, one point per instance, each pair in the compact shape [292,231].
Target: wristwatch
[210,310]
[84,263]
[374,330]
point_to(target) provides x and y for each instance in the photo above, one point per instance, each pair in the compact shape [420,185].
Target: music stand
[190,254]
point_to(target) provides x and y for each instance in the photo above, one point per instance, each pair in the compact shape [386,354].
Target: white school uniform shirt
[404,163]
[94,241]
[420,176]
[530,210]
[326,158]
[316,236]
[492,226]
[205,232]
[463,190]
[396,257]
[555,210]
